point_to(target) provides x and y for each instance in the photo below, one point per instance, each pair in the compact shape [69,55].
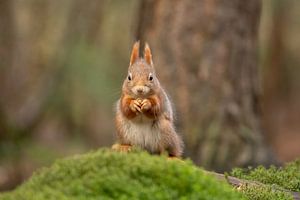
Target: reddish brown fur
[172,142]
[147,54]
[135,53]
[125,106]
[155,109]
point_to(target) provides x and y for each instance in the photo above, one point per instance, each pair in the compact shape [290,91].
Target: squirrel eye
[129,77]
[150,77]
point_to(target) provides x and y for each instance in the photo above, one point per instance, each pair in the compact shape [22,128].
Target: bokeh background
[62,64]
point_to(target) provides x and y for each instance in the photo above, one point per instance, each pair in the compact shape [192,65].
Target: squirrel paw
[121,147]
[145,105]
[135,106]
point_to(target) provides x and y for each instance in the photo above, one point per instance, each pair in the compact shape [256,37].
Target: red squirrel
[144,115]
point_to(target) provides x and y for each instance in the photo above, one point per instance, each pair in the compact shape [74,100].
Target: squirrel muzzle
[140,90]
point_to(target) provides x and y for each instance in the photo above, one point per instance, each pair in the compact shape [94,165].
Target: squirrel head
[141,80]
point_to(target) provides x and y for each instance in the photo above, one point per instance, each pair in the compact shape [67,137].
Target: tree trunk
[6,54]
[205,55]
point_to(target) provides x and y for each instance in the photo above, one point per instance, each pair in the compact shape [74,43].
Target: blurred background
[62,64]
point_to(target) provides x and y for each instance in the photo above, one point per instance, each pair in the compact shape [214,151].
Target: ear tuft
[135,52]
[147,54]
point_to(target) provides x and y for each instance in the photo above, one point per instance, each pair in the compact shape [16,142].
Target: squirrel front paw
[145,105]
[135,106]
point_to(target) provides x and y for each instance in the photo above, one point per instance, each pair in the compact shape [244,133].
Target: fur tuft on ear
[135,52]
[147,54]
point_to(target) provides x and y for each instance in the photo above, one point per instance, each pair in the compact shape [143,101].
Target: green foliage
[287,177]
[110,175]
[264,192]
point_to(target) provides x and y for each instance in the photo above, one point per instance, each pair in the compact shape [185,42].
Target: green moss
[109,175]
[286,177]
[264,192]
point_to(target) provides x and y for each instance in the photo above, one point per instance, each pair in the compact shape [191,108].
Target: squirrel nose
[139,90]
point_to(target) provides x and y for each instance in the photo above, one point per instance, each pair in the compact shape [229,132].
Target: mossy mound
[286,177]
[110,175]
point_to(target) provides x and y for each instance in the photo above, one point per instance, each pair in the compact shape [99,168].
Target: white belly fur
[141,132]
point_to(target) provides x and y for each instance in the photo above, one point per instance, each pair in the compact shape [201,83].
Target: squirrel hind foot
[175,158]
[121,147]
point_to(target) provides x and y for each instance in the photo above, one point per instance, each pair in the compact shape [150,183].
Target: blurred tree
[205,53]
[6,49]
[33,60]
[85,20]
[279,48]
[275,80]
[59,74]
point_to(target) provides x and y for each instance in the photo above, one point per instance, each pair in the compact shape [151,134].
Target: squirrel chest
[143,132]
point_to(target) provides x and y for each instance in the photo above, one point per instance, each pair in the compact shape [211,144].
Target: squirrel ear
[135,52]
[147,54]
